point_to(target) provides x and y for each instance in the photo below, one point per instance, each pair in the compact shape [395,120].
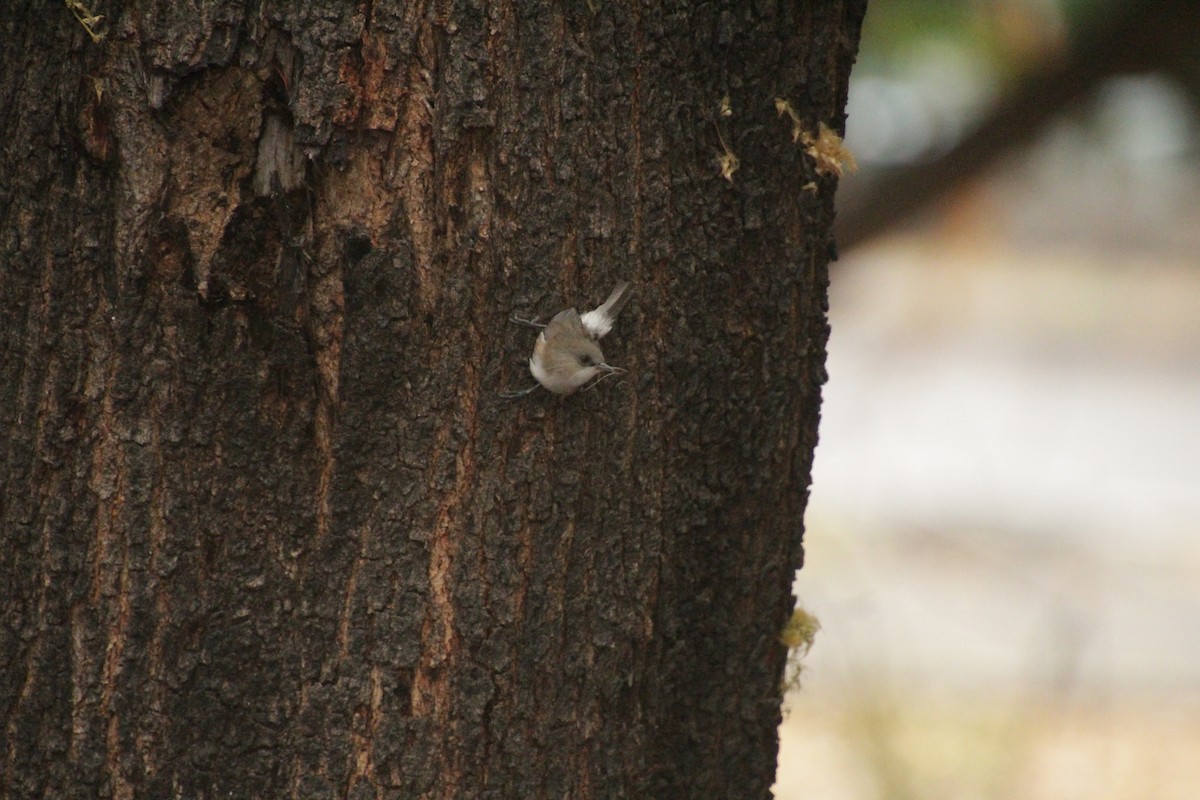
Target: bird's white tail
[600,321]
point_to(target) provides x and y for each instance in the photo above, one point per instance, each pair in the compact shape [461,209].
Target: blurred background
[1003,544]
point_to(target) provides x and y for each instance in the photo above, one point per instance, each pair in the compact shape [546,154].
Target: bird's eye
[586,361]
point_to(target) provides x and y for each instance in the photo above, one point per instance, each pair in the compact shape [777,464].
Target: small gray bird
[566,356]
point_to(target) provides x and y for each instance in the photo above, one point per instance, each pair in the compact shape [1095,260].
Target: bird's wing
[563,322]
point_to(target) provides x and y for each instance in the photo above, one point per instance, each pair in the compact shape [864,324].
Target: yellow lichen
[797,636]
[829,151]
[727,160]
[800,631]
[826,147]
[87,18]
[729,164]
[784,107]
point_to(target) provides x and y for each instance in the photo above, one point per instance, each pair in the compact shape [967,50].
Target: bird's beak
[605,371]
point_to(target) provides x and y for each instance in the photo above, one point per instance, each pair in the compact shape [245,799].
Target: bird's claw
[513,395]
[531,323]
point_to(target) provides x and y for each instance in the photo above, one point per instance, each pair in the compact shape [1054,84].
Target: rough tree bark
[267,529]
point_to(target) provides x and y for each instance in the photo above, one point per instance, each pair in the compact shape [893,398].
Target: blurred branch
[1139,38]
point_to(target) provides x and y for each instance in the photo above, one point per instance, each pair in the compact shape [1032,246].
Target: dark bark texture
[268,530]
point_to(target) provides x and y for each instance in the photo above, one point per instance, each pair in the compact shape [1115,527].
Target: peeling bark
[267,528]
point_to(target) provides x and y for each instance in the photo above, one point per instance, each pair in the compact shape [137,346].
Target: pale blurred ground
[1003,540]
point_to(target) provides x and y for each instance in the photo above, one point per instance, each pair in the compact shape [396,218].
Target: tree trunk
[268,529]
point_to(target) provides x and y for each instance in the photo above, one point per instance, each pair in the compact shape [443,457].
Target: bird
[566,355]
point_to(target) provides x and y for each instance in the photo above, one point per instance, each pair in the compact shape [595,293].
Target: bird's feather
[600,321]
